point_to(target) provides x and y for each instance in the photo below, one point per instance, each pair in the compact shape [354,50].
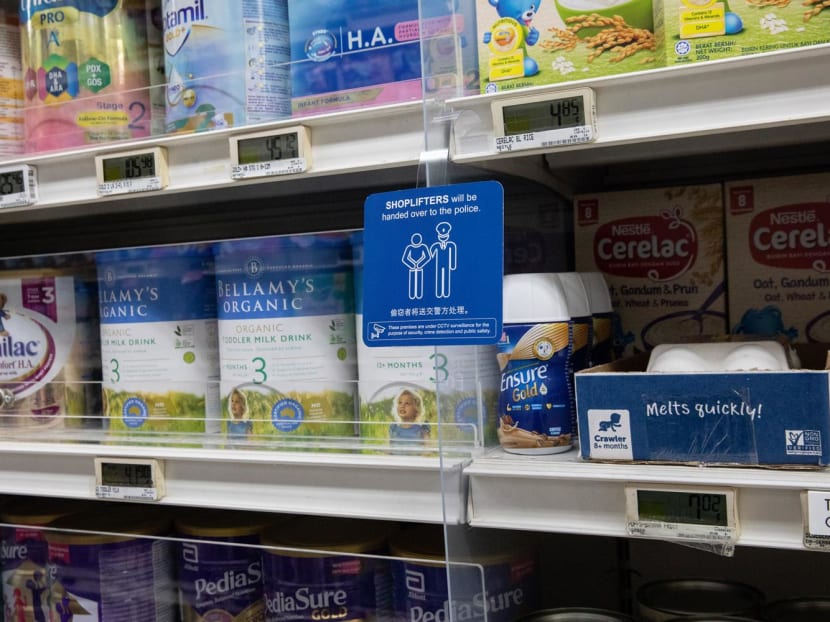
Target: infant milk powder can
[226,63]
[37,341]
[582,327]
[575,614]
[330,569]
[602,314]
[535,357]
[85,72]
[24,556]
[158,339]
[403,389]
[11,85]
[498,582]
[286,336]
[220,567]
[155,63]
[659,601]
[805,609]
[111,567]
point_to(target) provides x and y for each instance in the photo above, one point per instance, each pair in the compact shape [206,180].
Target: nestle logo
[792,218]
[631,229]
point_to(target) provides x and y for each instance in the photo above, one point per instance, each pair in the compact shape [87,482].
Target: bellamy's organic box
[742,417]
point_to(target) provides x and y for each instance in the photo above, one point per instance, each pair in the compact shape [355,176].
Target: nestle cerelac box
[661,252]
[778,241]
[524,43]
[699,30]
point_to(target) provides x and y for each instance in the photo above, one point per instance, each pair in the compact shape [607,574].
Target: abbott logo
[190,553]
[803,442]
[415,581]
[610,434]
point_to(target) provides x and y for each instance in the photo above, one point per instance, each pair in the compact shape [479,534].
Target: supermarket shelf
[406,488]
[770,99]
[562,493]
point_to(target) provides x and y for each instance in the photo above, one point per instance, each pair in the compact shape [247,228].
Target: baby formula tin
[659,601]
[158,339]
[24,557]
[602,313]
[815,609]
[11,85]
[286,336]
[155,64]
[575,614]
[717,618]
[403,389]
[226,63]
[220,573]
[499,583]
[85,72]
[37,337]
[330,569]
[582,328]
[112,569]
[534,355]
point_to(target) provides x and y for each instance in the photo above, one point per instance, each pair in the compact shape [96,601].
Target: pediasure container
[226,63]
[219,572]
[602,313]
[330,569]
[536,398]
[24,554]
[85,72]
[582,328]
[159,344]
[575,614]
[11,85]
[499,581]
[123,573]
[460,382]
[286,336]
[660,601]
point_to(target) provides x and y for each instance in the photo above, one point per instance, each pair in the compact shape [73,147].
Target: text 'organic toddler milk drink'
[226,63]
[661,252]
[286,336]
[536,400]
[85,72]
[158,339]
[778,245]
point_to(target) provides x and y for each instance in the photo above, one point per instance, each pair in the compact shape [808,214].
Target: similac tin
[226,63]
[110,567]
[287,336]
[602,314]
[403,389]
[11,85]
[24,556]
[220,566]
[582,328]
[534,355]
[498,582]
[158,339]
[804,609]
[575,614]
[37,337]
[329,569]
[85,72]
[659,601]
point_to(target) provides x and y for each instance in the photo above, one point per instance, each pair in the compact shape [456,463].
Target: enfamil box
[525,43]
[699,30]
[661,252]
[778,246]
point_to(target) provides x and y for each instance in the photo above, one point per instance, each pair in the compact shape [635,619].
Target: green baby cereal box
[699,30]
[525,43]
[159,347]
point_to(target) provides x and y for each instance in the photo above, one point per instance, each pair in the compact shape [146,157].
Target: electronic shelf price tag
[18,185]
[682,513]
[286,151]
[815,507]
[559,119]
[129,479]
[142,170]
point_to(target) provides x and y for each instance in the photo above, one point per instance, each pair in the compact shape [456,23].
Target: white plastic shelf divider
[562,493]
[400,488]
[710,107]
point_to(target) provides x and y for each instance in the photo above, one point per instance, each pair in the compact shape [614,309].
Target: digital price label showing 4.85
[545,121]
[143,170]
[286,151]
[685,513]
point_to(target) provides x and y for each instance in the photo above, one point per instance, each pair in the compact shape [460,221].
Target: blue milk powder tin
[328,570]
[499,580]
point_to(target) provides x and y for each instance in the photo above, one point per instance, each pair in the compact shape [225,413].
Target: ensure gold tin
[329,570]
[660,601]
[575,614]
[220,573]
[109,566]
[806,609]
